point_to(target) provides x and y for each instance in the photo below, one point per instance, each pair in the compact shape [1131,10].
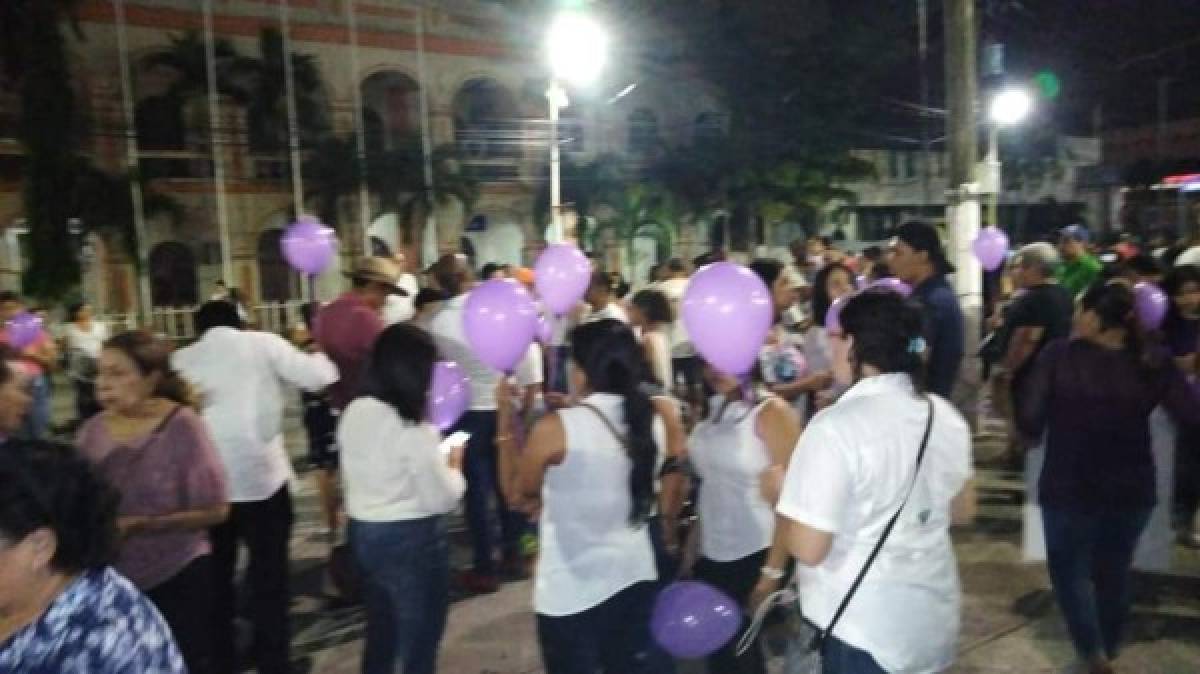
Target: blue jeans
[1089,554]
[37,422]
[406,584]
[839,657]
[612,637]
[480,470]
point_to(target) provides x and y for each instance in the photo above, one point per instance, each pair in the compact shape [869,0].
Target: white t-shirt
[681,344]
[848,476]
[393,467]
[588,550]
[447,329]
[399,308]
[612,311]
[83,349]
[728,455]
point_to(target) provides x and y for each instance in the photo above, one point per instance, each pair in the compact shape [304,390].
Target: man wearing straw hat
[346,328]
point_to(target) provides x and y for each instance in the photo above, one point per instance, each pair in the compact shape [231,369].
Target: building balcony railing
[175,164]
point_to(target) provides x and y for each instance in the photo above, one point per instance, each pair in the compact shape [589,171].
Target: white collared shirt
[848,476]
[451,337]
[393,468]
[240,377]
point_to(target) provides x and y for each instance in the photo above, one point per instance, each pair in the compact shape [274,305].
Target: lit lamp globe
[576,48]
[1010,107]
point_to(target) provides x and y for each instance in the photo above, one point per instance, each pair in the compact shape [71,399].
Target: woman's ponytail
[614,363]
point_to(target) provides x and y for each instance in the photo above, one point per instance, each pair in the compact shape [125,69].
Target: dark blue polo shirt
[943,332]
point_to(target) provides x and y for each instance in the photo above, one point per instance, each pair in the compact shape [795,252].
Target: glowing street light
[1008,108]
[576,50]
[576,47]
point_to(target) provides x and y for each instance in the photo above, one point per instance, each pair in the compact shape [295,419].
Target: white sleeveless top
[729,457]
[588,550]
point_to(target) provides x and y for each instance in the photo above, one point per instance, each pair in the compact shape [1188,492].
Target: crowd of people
[612,461]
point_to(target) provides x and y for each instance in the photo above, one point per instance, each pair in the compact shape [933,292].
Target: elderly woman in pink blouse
[151,445]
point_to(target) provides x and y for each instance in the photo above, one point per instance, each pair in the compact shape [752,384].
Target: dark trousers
[736,579]
[839,657]
[483,485]
[265,527]
[185,602]
[85,399]
[610,638]
[406,576]
[1089,554]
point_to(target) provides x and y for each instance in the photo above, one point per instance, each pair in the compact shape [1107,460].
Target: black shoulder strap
[887,530]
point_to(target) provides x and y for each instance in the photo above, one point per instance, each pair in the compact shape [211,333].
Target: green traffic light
[1048,84]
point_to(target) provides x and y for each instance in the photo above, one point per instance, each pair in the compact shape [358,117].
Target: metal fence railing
[178,323]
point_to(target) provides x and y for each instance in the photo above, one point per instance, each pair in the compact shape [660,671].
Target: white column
[218,154]
[556,98]
[131,157]
[429,235]
[360,139]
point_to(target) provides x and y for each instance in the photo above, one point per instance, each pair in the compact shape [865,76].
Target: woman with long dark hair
[590,470]
[886,468]
[399,488]
[1092,395]
[150,443]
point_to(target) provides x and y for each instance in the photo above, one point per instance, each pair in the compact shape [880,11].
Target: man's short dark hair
[9,296]
[676,265]
[217,314]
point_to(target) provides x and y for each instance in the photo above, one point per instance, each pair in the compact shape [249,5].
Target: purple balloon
[449,394]
[893,284]
[727,310]
[1151,304]
[991,247]
[692,619]
[561,276]
[833,317]
[500,322]
[308,245]
[23,330]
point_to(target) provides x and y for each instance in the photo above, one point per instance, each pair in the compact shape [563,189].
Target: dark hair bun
[888,333]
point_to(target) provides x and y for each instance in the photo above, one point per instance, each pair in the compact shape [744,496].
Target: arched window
[486,124]
[172,275]
[391,102]
[277,282]
[643,132]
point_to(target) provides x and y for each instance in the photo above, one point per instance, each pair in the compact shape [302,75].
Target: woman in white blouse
[83,336]
[399,487]
[851,473]
[590,470]
[740,552]
[651,311]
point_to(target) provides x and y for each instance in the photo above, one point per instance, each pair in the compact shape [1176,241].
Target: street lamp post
[576,47]
[1008,108]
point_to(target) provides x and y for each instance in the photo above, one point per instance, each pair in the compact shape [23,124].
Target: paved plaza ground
[1010,622]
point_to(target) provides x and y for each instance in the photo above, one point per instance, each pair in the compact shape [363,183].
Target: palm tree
[35,64]
[103,203]
[187,56]
[261,82]
[396,177]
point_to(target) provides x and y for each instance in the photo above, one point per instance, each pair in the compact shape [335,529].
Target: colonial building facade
[457,73]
